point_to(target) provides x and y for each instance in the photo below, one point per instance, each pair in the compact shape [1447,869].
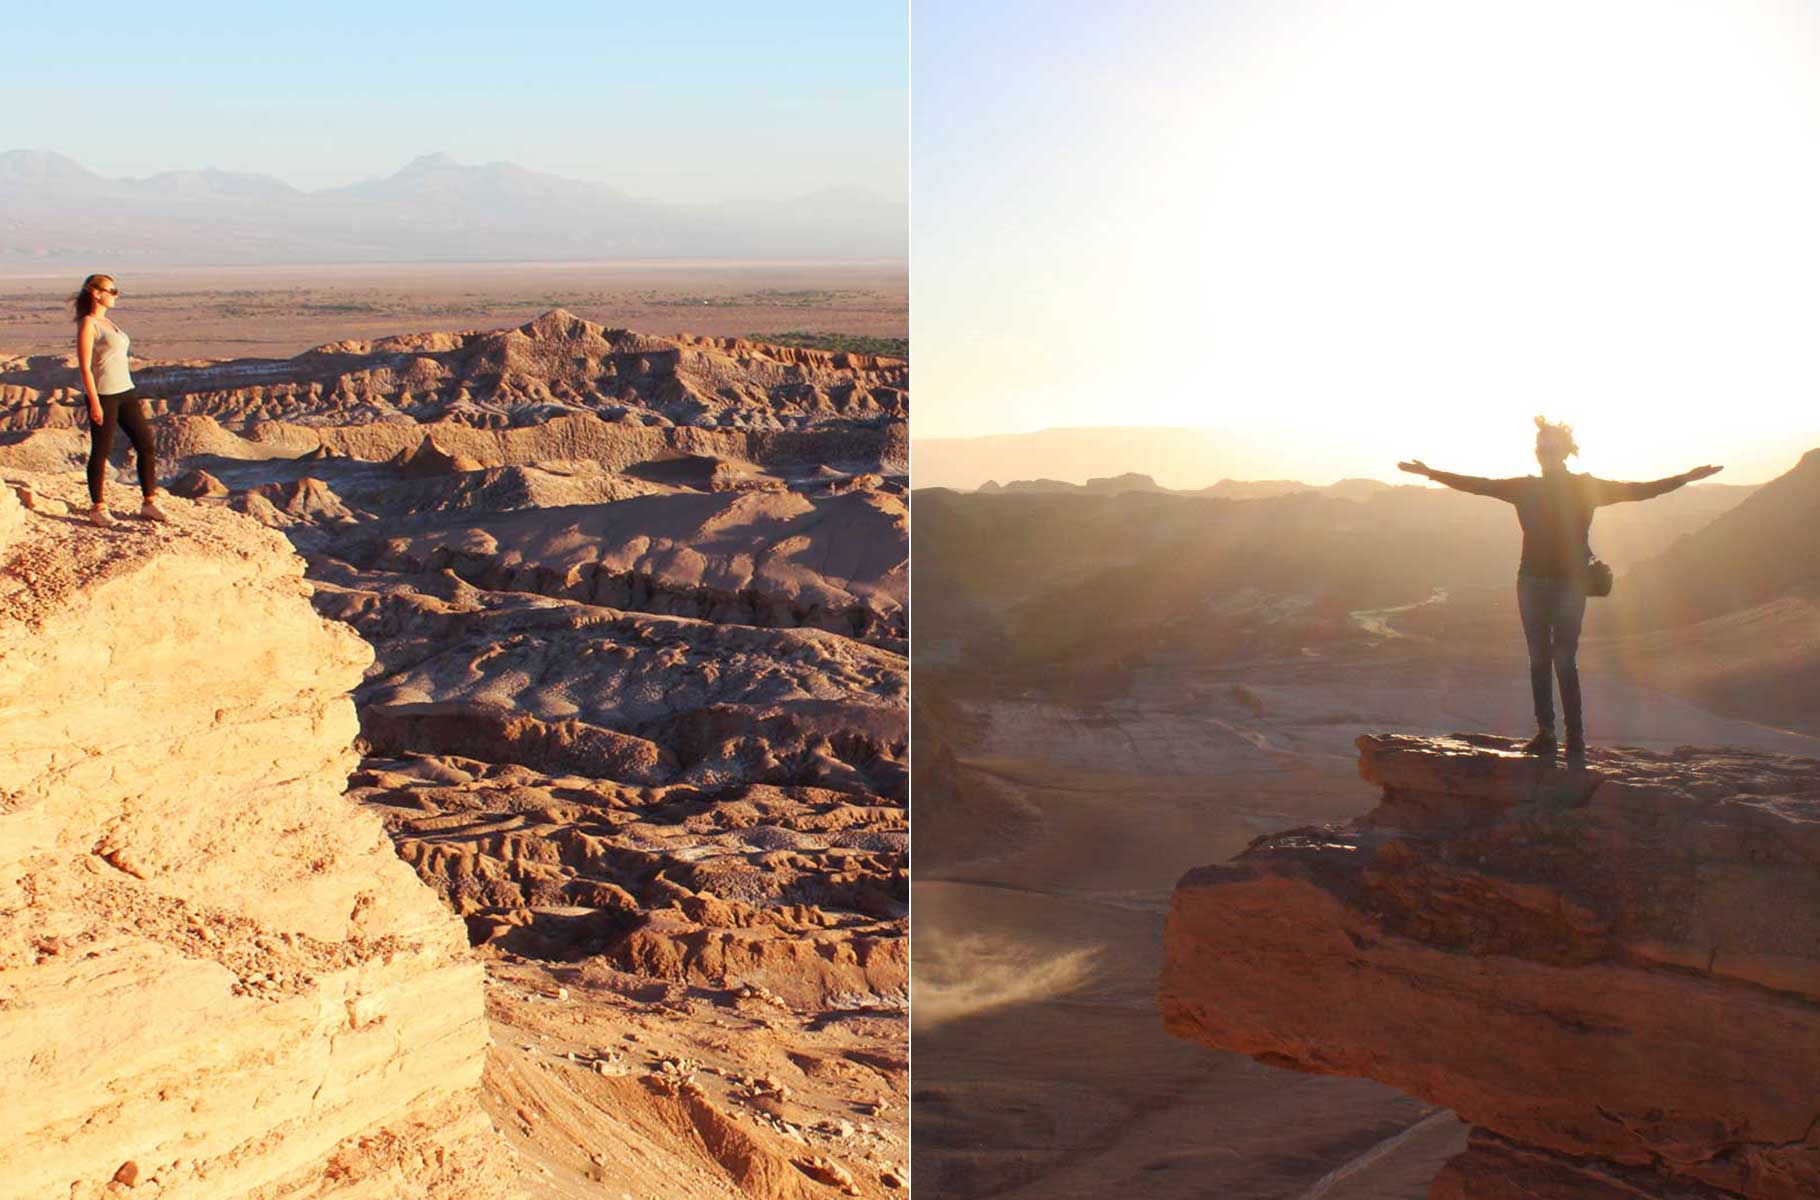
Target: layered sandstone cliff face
[1612,973]
[216,977]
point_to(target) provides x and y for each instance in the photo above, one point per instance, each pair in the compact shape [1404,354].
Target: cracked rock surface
[1612,972]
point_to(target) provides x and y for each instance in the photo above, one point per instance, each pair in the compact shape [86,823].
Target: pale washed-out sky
[1378,230]
[707,101]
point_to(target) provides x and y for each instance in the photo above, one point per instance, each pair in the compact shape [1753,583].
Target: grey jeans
[1552,611]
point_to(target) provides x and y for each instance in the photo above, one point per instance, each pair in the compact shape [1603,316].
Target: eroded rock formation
[1612,973]
[216,977]
[637,610]
[490,393]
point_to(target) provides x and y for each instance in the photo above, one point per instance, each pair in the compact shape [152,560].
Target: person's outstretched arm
[1614,491]
[1501,489]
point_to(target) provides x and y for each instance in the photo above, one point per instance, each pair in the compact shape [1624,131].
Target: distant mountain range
[1175,455]
[1225,489]
[56,212]
[1189,458]
[1758,552]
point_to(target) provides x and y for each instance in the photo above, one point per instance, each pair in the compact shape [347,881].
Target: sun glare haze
[1357,233]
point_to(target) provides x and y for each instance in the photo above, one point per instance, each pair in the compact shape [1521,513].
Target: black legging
[127,411]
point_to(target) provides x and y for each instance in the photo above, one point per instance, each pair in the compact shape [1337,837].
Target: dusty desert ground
[275,312]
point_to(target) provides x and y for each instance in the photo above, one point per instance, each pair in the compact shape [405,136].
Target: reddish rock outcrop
[1612,972]
[197,483]
[427,460]
[299,498]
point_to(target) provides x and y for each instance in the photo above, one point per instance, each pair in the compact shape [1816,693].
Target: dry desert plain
[275,312]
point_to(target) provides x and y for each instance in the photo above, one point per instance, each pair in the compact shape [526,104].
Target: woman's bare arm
[85,350]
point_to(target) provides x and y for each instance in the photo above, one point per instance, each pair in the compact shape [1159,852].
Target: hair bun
[1558,432]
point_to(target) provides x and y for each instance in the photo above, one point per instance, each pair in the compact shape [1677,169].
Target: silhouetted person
[1556,511]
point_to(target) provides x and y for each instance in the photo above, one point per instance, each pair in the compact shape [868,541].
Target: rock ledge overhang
[1613,972]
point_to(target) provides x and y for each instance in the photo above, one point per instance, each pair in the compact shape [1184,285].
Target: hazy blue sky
[707,100]
[1372,231]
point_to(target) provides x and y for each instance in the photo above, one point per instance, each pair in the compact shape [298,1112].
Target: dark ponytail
[84,300]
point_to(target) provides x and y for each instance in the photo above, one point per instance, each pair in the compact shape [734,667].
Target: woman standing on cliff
[1556,511]
[112,402]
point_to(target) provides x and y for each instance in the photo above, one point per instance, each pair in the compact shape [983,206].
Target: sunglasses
[109,291]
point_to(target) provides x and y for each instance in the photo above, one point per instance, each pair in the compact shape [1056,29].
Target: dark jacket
[1556,512]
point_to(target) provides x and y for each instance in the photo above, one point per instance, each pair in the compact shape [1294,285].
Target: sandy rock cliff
[1613,974]
[216,977]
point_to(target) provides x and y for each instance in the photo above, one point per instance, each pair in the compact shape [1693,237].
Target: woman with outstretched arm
[1555,510]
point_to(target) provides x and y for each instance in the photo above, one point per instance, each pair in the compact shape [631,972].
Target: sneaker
[102,517]
[1542,743]
[151,512]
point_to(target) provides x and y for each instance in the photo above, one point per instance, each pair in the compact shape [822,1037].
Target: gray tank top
[108,360]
